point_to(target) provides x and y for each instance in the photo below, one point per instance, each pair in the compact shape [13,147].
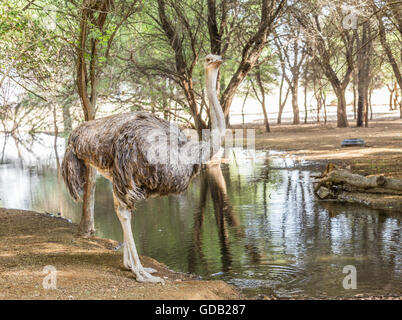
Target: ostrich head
[212,61]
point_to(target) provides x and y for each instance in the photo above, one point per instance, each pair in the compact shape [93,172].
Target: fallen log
[359,181]
[334,175]
[343,185]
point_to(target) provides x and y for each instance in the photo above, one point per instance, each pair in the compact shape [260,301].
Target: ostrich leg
[126,259]
[131,259]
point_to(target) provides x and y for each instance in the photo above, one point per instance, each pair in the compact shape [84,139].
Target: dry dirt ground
[86,268]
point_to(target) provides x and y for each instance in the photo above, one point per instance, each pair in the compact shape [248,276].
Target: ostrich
[142,156]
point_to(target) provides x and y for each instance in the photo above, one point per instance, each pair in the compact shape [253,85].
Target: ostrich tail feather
[73,171]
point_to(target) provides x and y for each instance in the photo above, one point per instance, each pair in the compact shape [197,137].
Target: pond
[253,222]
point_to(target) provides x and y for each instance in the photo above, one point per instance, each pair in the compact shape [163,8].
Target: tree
[390,12]
[291,55]
[260,80]
[331,46]
[194,28]
[271,10]
[95,39]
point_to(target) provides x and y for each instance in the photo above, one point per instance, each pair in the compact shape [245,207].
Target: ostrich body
[142,155]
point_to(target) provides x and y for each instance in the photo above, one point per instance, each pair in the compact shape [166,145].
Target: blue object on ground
[353,143]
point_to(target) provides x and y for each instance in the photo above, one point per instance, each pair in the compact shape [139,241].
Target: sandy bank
[86,268]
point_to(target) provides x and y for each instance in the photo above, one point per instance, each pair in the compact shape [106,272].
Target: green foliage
[136,63]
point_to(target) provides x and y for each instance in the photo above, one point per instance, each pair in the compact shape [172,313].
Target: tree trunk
[261,86]
[282,104]
[324,102]
[354,96]
[400,109]
[363,63]
[370,104]
[360,107]
[305,91]
[396,96]
[295,106]
[391,95]
[366,107]
[319,104]
[305,103]
[317,96]
[199,123]
[87,85]
[342,119]
[87,224]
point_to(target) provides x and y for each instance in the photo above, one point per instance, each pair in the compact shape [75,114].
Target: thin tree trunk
[261,86]
[56,133]
[396,97]
[391,95]
[281,104]
[400,108]
[370,104]
[354,96]
[366,109]
[305,91]
[318,98]
[324,101]
[305,104]
[360,107]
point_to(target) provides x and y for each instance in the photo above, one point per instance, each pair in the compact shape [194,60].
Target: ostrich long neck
[217,118]
[195,151]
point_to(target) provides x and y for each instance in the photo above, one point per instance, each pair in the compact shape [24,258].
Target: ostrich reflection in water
[212,180]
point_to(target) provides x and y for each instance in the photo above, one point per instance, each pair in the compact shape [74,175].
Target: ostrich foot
[150,270]
[127,262]
[143,276]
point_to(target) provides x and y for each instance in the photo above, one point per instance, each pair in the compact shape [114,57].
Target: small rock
[323,192]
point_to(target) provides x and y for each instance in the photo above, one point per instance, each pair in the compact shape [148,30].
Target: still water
[253,222]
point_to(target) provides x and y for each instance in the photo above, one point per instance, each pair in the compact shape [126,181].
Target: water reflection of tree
[212,179]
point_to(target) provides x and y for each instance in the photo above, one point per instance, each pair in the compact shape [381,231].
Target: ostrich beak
[218,62]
